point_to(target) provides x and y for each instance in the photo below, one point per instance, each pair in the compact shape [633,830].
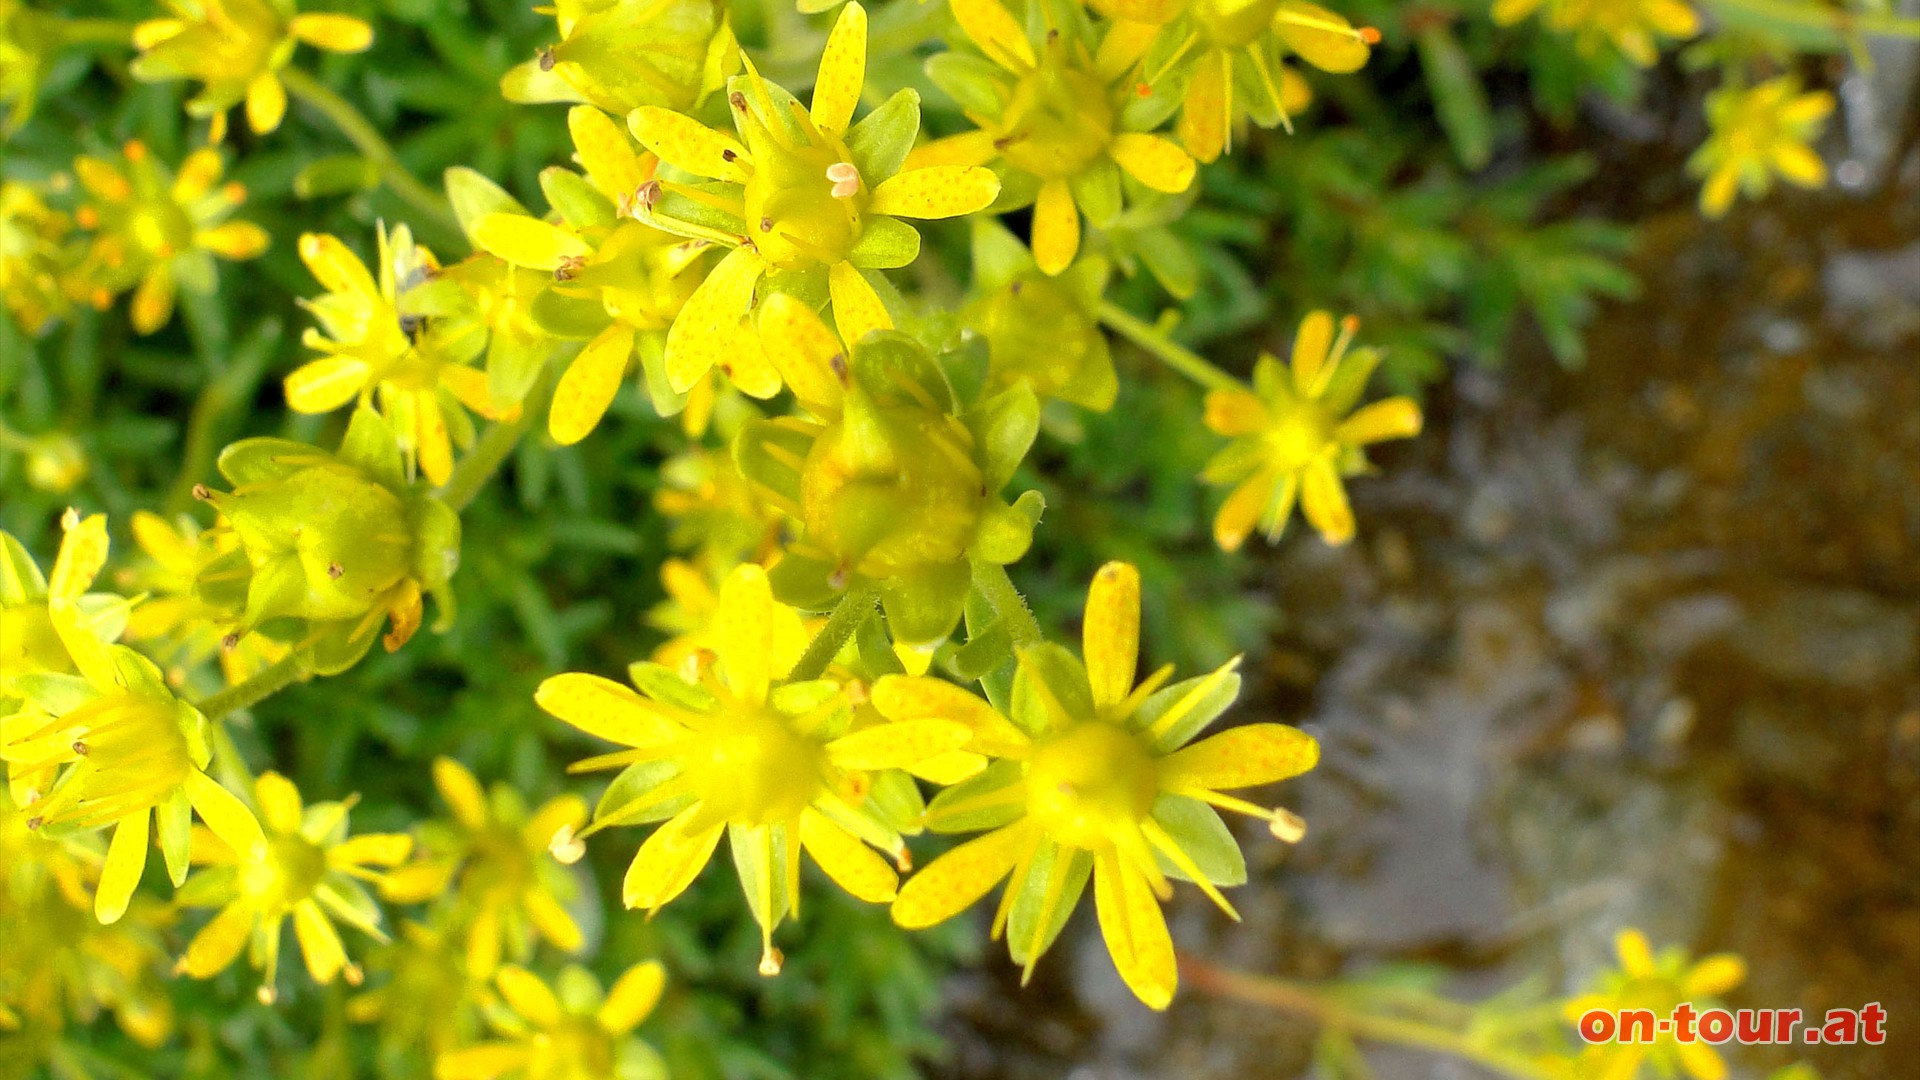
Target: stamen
[566,847]
[770,961]
[1287,825]
[846,179]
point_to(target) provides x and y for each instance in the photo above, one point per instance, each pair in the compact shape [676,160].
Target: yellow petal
[668,862]
[1236,412]
[334,33]
[236,240]
[279,802]
[1241,512]
[805,351]
[1240,757]
[606,709]
[120,874]
[1394,418]
[335,266]
[1715,975]
[154,31]
[1310,345]
[434,446]
[852,865]
[843,71]
[605,152]
[996,31]
[907,697]
[552,920]
[948,884]
[1056,227]
[324,385]
[938,191]
[163,543]
[1699,1061]
[1153,160]
[564,811]
[461,791]
[529,996]
[1135,931]
[707,332]
[153,301]
[1636,956]
[686,143]
[528,241]
[743,630]
[1799,164]
[633,997]
[226,815]
[1320,37]
[857,310]
[320,943]
[1716,198]
[1110,633]
[967,148]
[266,103]
[371,849]
[1204,117]
[83,551]
[484,1062]
[218,942]
[590,382]
[1323,499]
[900,744]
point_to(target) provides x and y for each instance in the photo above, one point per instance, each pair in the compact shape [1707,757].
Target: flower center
[1060,120]
[577,1048]
[803,203]
[893,489]
[288,875]
[756,769]
[1299,436]
[1089,782]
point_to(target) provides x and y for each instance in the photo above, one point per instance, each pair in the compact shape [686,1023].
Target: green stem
[94,32]
[993,583]
[1308,1000]
[368,140]
[852,610]
[1817,17]
[1178,357]
[472,472]
[265,683]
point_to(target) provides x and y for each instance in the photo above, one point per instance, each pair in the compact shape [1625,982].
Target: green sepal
[436,543]
[895,799]
[1064,680]
[651,346]
[676,213]
[1349,381]
[20,578]
[804,581]
[348,901]
[341,649]
[998,256]
[923,607]
[996,684]
[1005,426]
[1057,872]
[896,370]
[575,199]
[212,887]
[975,83]
[567,316]
[54,693]
[278,588]
[262,460]
[1202,711]
[885,243]
[222,583]
[880,142]
[173,822]
[370,446]
[530,84]
[760,856]
[625,800]
[663,683]
[986,649]
[1006,532]
[764,469]
[1096,191]
[997,776]
[1168,260]
[1198,831]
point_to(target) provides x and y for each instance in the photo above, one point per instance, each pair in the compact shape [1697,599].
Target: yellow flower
[1098,777]
[769,763]
[400,335]
[802,196]
[576,1034]
[156,232]
[1059,118]
[1293,437]
[494,855]
[173,622]
[1644,981]
[235,49]
[714,509]
[37,615]
[1757,133]
[31,256]
[1634,27]
[304,866]
[427,1004]
[622,54]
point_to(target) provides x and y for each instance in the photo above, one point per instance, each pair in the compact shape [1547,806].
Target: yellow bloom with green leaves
[493,857]
[715,512]
[32,256]
[235,50]
[1227,57]
[1042,330]
[406,337]
[423,997]
[1634,27]
[1096,777]
[809,203]
[155,232]
[304,867]
[1065,116]
[771,764]
[37,613]
[570,1031]
[173,623]
[1758,133]
[897,482]
[1660,982]
[1296,436]
[114,746]
[619,55]
[609,279]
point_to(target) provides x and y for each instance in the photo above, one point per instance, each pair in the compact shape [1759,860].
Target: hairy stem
[852,610]
[265,683]
[993,583]
[368,140]
[1166,350]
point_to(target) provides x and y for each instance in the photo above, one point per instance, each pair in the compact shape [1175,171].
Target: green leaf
[338,174]
[1458,97]
[1203,837]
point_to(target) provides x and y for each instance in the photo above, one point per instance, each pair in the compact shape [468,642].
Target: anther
[1369,35]
[566,847]
[547,59]
[838,362]
[34,823]
[1287,825]
[766,224]
[230,641]
[737,99]
[728,155]
[267,994]
[846,179]
[647,195]
[903,860]
[201,492]
[80,748]
[770,961]
[69,520]
[336,571]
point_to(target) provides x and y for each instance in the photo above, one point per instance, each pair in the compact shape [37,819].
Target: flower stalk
[367,139]
[1163,348]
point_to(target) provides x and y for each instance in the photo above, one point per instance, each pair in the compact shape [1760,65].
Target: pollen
[846,179]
